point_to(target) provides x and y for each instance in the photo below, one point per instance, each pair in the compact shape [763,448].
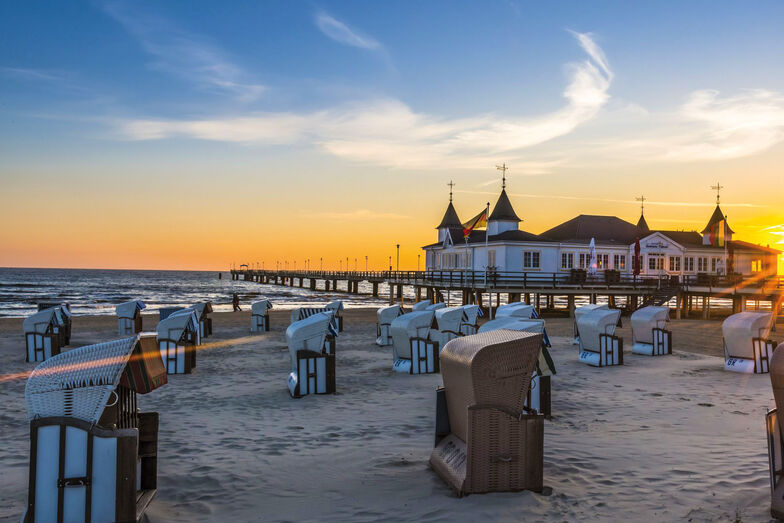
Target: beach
[673,438]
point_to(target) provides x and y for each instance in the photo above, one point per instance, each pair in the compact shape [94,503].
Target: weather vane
[642,199]
[450,184]
[718,187]
[503,168]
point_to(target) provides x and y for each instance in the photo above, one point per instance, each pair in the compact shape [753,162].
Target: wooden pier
[692,295]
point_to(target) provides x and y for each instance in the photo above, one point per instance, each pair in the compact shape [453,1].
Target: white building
[566,247]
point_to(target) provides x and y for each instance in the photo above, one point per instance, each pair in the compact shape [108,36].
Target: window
[651,263]
[567,260]
[619,262]
[530,259]
[602,261]
[491,258]
[675,263]
[585,260]
[656,263]
[702,264]
[756,265]
[714,264]
[688,264]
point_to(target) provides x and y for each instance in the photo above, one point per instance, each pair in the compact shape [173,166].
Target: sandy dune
[659,439]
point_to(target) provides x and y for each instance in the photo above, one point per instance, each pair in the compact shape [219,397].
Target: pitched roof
[684,238]
[716,217]
[642,224]
[737,244]
[478,236]
[450,218]
[503,209]
[606,229]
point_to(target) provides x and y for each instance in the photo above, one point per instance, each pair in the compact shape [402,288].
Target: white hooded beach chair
[540,391]
[471,314]
[774,424]
[43,337]
[336,307]
[448,321]
[259,315]
[412,349]
[312,369]
[649,336]
[599,346]
[385,317]
[64,319]
[330,342]
[581,311]
[93,455]
[129,317]
[178,336]
[421,305]
[203,309]
[746,344]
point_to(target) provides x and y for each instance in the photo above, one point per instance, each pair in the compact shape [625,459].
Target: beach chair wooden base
[539,394]
[84,472]
[424,358]
[505,452]
[42,346]
[129,326]
[775,464]
[610,352]
[661,346]
[763,350]
[330,345]
[178,357]
[383,334]
[259,323]
[315,374]
[205,327]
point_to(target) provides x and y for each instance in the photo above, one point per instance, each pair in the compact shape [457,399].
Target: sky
[194,135]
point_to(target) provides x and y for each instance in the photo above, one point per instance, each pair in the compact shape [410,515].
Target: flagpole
[487,233]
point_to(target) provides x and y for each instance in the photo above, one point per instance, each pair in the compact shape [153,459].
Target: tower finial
[641,199]
[503,168]
[718,187]
[450,184]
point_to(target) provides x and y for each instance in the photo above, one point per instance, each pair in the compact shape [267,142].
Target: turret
[450,219]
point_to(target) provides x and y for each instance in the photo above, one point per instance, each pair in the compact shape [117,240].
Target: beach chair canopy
[335,306]
[178,323]
[307,334]
[260,307]
[387,314]
[202,308]
[594,323]
[587,309]
[517,309]
[644,320]
[421,305]
[40,321]
[129,308]
[739,329]
[449,318]
[410,325]
[435,306]
[306,312]
[78,383]
[490,369]
[472,312]
[512,323]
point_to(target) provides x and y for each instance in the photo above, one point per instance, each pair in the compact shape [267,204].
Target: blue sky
[580,98]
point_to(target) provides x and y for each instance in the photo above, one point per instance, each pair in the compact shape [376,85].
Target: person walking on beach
[235,302]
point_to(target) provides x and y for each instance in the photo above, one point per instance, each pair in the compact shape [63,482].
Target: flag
[717,233]
[477,222]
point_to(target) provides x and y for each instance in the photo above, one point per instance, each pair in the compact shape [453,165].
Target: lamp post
[321,264]
[390,264]
[341,265]
[418,255]
[355,265]
[366,263]
[398,258]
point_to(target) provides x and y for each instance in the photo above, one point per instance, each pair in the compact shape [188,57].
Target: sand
[671,438]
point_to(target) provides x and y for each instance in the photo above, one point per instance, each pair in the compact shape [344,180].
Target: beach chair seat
[485,439]
[578,313]
[413,351]
[599,346]
[259,315]
[43,338]
[178,336]
[746,345]
[129,317]
[312,366]
[773,424]
[649,336]
[93,455]
[385,317]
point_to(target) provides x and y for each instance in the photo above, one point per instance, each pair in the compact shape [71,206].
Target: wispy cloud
[340,32]
[52,79]
[360,214]
[184,54]
[389,133]
[776,230]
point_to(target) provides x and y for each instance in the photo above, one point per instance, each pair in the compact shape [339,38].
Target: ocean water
[95,291]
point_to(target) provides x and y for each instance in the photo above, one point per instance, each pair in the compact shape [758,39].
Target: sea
[98,291]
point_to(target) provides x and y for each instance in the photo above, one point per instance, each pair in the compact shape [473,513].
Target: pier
[692,295]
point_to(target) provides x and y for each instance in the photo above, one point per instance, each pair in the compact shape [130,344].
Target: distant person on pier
[235,302]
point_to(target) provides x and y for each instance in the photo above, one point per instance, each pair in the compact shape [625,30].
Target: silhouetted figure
[235,302]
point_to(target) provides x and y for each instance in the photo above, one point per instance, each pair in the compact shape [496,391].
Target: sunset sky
[190,135]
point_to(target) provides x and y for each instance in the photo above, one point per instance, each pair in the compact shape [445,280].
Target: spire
[641,223]
[503,210]
[450,218]
[715,218]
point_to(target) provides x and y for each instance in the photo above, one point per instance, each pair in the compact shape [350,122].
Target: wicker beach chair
[259,315]
[312,368]
[599,346]
[448,321]
[581,311]
[746,344]
[486,440]
[178,336]
[336,307]
[516,309]
[649,336]
[129,317]
[93,455]
[413,351]
[43,338]
[386,316]
[330,342]
[64,319]
[203,309]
